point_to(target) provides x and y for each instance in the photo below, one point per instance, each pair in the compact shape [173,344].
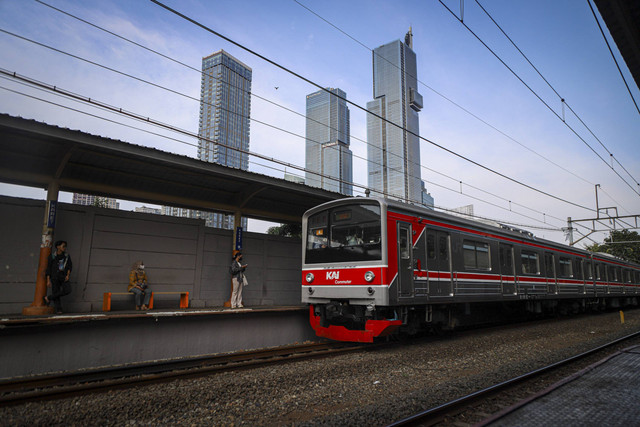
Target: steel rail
[438,413]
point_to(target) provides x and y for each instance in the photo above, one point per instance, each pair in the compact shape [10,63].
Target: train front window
[344,234]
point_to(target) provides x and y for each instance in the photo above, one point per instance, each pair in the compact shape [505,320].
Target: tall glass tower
[327,142]
[225,107]
[394,151]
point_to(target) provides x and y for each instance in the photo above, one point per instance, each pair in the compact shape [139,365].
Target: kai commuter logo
[333,275]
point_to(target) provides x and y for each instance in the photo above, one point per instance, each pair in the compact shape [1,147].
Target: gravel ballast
[367,388]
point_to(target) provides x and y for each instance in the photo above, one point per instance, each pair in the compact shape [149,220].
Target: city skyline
[474,105]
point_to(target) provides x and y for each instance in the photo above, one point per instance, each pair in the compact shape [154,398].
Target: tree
[100,202]
[612,245]
[286,230]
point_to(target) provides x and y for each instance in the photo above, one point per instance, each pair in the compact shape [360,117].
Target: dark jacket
[236,270]
[59,266]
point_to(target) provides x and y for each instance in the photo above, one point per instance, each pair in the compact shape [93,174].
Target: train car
[372,267]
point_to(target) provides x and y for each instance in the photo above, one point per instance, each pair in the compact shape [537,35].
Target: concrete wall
[179,255]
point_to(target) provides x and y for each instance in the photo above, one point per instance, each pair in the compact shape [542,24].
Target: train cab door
[550,270]
[405,260]
[507,269]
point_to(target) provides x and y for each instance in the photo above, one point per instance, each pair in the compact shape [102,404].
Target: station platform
[11,320]
[38,345]
[606,393]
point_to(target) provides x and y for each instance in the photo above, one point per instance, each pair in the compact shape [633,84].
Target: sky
[514,138]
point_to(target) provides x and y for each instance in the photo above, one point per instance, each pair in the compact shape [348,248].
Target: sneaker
[240,306]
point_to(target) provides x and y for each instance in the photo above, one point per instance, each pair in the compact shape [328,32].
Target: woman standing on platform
[238,279]
[138,286]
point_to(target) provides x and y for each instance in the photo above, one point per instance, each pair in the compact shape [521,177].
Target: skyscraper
[394,151]
[225,107]
[327,142]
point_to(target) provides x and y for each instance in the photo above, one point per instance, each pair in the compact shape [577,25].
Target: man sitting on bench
[138,286]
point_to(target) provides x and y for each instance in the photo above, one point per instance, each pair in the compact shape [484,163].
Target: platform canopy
[35,154]
[623,21]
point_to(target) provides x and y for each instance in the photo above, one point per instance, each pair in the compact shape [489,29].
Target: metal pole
[38,307]
[236,245]
[597,205]
[570,228]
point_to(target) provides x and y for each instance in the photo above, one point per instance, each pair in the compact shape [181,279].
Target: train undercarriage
[338,320]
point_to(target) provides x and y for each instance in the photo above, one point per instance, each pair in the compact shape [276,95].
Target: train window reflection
[405,249]
[344,234]
[476,255]
[530,262]
[443,249]
[566,269]
[431,246]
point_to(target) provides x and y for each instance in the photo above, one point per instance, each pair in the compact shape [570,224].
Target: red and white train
[373,266]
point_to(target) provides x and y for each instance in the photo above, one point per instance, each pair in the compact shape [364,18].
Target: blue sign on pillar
[238,238]
[51,216]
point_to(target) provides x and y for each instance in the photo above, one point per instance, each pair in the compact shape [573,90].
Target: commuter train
[373,267]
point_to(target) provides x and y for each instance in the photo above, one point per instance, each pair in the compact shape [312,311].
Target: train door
[507,269]
[550,273]
[405,263]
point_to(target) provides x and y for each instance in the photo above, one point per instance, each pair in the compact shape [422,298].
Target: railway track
[453,412]
[54,386]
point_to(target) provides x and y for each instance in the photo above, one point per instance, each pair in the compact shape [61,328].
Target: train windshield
[344,234]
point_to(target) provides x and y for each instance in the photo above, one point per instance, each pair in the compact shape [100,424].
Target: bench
[106,298]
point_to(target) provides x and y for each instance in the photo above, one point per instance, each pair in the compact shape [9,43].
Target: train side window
[431,246]
[530,262]
[613,273]
[476,255]
[443,249]
[598,272]
[405,249]
[627,274]
[566,269]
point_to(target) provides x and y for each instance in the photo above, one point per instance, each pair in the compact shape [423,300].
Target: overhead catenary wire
[536,95]
[445,187]
[103,106]
[560,97]
[295,74]
[251,93]
[478,118]
[457,105]
[290,110]
[257,121]
[147,120]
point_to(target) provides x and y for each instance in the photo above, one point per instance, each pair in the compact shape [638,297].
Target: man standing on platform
[58,271]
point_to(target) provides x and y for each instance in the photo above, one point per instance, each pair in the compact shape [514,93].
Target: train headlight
[369,276]
[309,277]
